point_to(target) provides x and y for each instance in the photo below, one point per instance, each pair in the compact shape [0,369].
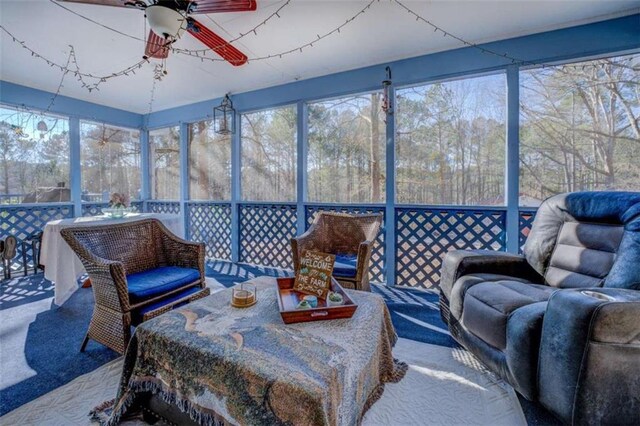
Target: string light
[201,53]
[57,92]
[152,96]
[446,33]
[73,67]
[159,71]
[253,30]
[157,76]
[298,49]
[95,22]
[514,60]
[193,53]
[99,79]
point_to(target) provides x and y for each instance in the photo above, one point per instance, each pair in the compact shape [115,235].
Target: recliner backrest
[583,255]
[587,239]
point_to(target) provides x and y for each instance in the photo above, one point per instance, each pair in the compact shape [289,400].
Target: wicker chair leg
[364,283]
[110,328]
[126,335]
[84,343]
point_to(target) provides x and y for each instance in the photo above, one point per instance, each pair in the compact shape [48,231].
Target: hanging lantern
[224,117]
[386,84]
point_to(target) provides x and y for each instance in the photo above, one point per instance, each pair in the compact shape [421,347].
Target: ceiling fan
[169,19]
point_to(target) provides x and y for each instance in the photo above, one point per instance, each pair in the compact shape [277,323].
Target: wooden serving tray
[288,299]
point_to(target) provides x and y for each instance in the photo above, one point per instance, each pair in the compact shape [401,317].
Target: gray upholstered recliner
[562,322]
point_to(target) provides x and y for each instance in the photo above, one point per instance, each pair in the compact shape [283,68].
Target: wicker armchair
[349,237]
[138,271]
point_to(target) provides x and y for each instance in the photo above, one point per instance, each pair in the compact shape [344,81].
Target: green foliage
[346,155]
[450,142]
[579,128]
[110,160]
[164,147]
[269,155]
[30,159]
[209,163]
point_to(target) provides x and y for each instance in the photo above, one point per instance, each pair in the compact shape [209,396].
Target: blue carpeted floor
[40,349]
[40,341]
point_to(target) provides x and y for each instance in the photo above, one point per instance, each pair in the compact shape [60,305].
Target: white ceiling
[384,33]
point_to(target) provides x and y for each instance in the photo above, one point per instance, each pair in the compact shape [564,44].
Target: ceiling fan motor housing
[166,22]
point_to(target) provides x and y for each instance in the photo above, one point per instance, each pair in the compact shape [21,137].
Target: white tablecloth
[62,266]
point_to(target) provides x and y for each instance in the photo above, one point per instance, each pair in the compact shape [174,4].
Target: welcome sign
[314,275]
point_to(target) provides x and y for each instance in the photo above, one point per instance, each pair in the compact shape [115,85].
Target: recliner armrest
[589,356]
[462,262]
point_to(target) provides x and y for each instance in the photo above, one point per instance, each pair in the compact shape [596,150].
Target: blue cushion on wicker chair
[138,315]
[345,266]
[158,281]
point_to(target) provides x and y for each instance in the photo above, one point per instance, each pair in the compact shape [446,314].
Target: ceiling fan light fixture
[166,22]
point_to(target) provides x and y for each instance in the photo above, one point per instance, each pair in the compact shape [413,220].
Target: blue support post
[75,171]
[512,184]
[390,191]
[184,175]
[145,160]
[301,196]
[236,190]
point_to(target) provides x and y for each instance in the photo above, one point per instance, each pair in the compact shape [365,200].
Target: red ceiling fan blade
[156,47]
[137,4]
[219,6]
[216,43]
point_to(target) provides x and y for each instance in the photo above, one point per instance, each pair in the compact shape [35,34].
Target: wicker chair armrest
[109,282]
[307,241]
[183,253]
[364,256]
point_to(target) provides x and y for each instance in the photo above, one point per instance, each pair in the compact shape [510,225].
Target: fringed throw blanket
[223,365]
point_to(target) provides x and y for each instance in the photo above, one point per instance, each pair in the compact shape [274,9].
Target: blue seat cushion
[155,282]
[139,314]
[345,266]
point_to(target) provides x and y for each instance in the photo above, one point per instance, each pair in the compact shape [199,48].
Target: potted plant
[118,205]
[334,299]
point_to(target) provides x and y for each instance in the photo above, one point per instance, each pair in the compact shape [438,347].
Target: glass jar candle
[244,295]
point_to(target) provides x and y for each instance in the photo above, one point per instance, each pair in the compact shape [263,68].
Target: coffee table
[222,364]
